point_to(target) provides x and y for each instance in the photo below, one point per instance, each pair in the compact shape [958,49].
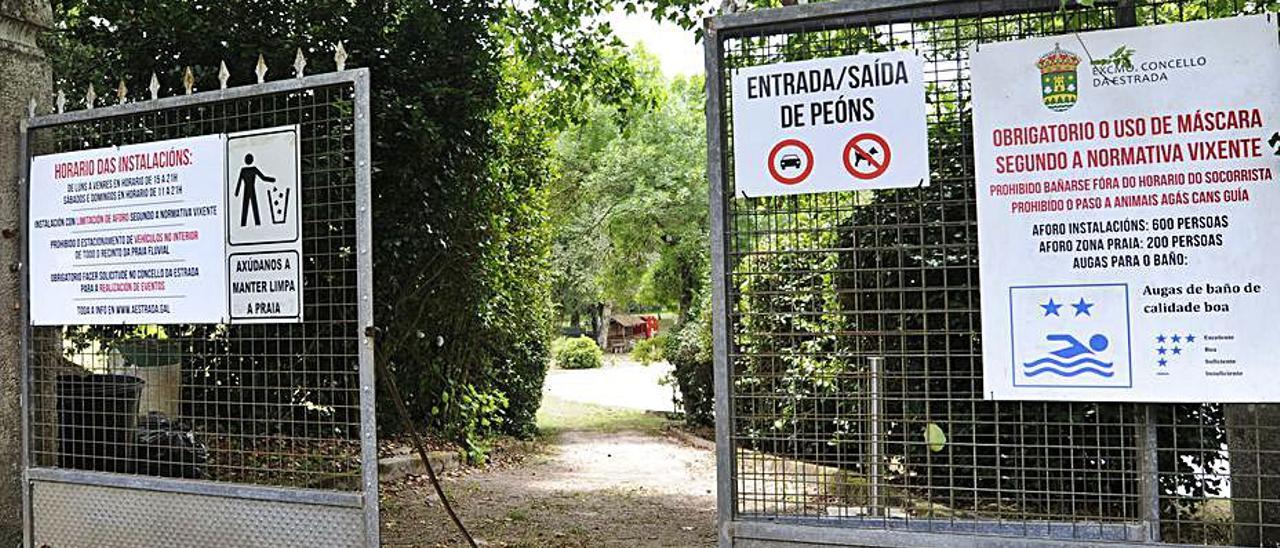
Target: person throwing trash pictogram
[249,175]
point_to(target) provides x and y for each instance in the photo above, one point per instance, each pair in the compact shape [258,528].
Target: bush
[577,353]
[689,351]
[652,350]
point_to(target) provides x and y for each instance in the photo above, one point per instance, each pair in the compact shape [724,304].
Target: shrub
[651,350]
[689,351]
[577,353]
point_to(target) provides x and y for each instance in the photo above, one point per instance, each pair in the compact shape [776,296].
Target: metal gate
[268,436]
[847,327]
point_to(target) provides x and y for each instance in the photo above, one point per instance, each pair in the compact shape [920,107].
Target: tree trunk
[688,282]
[595,320]
[602,334]
[24,75]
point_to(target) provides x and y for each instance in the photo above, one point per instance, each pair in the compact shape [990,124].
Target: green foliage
[631,185]
[935,438]
[690,353]
[575,56]
[577,353]
[1121,58]
[140,346]
[651,350]
[150,352]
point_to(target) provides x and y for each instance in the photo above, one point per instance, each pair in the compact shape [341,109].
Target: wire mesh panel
[270,423]
[849,343]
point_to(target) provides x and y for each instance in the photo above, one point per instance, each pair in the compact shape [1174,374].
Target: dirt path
[589,486]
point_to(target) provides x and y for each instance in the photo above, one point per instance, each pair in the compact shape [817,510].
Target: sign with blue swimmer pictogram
[828,125]
[1126,213]
[1070,336]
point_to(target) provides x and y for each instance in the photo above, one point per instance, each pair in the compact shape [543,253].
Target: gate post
[24,76]
[719,329]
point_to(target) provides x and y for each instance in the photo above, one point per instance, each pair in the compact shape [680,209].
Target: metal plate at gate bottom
[68,515]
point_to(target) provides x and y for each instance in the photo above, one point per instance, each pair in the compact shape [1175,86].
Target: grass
[517,514]
[557,416]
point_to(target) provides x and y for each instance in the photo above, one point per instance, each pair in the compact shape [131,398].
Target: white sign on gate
[262,187]
[129,234]
[264,229]
[142,234]
[1126,213]
[827,125]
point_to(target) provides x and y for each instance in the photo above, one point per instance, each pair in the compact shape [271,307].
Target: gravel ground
[584,487]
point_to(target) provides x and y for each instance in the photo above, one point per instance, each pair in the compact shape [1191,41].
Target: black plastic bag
[169,449]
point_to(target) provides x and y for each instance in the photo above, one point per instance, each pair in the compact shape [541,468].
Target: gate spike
[61,102]
[31,108]
[122,93]
[261,70]
[340,57]
[223,74]
[188,80]
[154,87]
[299,63]
[90,97]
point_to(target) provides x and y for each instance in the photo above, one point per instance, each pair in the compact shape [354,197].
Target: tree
[634,231]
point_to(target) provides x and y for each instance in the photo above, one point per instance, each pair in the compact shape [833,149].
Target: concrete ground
[622,383]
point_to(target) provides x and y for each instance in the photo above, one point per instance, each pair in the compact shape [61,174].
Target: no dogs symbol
[867,156]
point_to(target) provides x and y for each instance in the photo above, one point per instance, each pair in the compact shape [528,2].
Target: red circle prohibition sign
[856,146]
[773,162]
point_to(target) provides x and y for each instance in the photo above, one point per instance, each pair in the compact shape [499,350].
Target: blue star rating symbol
[1051,309]
[1179,343]
[1082,308]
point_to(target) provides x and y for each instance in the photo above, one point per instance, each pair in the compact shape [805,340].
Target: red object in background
[650,326]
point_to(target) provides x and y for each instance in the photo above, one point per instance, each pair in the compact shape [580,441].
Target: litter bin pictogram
[264,183]
[279,204]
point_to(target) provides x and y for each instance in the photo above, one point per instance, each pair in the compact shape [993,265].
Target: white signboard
[264,228]
[828,125]
[128,234]
[1127,214]
[144,234]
